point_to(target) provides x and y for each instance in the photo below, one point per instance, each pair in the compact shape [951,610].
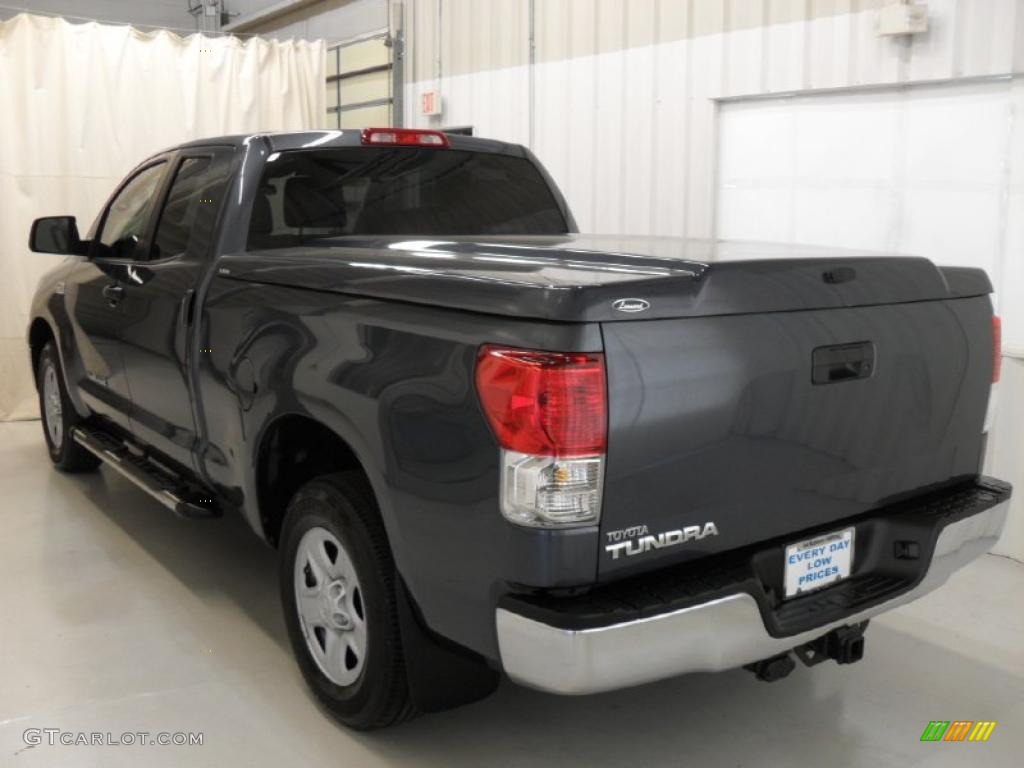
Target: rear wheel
[58,416]
[337,581]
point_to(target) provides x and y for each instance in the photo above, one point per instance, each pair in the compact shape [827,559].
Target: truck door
[159,303]
[95,291]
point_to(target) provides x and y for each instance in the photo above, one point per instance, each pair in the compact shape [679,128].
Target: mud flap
[442,675]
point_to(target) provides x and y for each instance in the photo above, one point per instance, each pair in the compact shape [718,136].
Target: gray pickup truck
[484,443]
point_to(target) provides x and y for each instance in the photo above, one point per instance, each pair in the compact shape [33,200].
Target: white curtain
[81,104]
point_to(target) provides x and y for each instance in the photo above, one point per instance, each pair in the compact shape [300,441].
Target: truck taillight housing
[544,403]
[549,413]
[997,348]
[997,367]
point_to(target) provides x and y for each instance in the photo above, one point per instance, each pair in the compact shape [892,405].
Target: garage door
[359,83]
[922,170]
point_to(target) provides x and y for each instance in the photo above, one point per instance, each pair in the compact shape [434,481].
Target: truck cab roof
[283,141]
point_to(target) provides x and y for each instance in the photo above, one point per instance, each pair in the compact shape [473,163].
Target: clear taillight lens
[547,491]
[549,412]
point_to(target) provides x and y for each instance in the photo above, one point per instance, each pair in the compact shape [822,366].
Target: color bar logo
[958,730]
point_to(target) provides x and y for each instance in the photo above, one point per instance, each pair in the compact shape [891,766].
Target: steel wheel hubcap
[52,406]
[329,600]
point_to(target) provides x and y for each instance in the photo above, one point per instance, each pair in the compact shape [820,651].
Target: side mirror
[56,234]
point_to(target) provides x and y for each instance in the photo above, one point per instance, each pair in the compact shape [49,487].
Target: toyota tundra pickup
[485,444]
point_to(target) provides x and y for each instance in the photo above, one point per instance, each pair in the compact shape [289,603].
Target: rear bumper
[545,652]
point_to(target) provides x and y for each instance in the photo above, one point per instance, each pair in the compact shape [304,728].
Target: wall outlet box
[903,19]
[430,103]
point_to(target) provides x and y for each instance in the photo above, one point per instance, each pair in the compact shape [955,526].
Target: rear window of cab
[310,195]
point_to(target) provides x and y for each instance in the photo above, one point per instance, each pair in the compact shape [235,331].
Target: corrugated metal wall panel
[420,48]
[986,39]
[706,77]
[610,28]
[1018,36]
[743,56]
[786,57]
[669,129]
[474,38]
[832,51]
[581,24]
[478,35]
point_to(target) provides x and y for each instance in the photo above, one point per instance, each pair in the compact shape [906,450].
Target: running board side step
[158,482]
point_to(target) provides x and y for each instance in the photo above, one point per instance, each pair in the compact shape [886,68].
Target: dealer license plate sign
[818,562]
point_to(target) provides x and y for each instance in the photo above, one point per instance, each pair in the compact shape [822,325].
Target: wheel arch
[293,448]
[44,328]
[39,333]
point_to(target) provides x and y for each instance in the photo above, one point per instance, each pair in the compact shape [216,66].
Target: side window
[126,218]
[188,218]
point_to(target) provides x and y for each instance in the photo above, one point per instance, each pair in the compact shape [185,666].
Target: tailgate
[766,425]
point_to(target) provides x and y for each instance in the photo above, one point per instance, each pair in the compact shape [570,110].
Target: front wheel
[59,416]
[337,581]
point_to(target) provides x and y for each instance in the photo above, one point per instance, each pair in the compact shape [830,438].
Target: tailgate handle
[843,362]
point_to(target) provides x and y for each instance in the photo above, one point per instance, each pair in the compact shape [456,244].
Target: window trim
[164,196]
[97,243]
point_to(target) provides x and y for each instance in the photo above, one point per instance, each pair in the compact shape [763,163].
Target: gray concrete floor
[119,618]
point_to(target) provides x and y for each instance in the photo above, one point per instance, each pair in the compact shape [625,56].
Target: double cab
[485,444]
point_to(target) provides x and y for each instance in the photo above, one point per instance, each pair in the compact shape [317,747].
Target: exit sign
[430,103]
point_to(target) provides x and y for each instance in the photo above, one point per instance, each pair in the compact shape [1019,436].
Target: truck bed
[578,278]
[759,389]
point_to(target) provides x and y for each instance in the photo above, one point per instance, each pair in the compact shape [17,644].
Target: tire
[337,580]
[59,416]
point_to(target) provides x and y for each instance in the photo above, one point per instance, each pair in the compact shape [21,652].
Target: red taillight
[997,348]
[404,137]
[544,403]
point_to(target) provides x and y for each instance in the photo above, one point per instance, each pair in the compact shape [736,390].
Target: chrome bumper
[713,636]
